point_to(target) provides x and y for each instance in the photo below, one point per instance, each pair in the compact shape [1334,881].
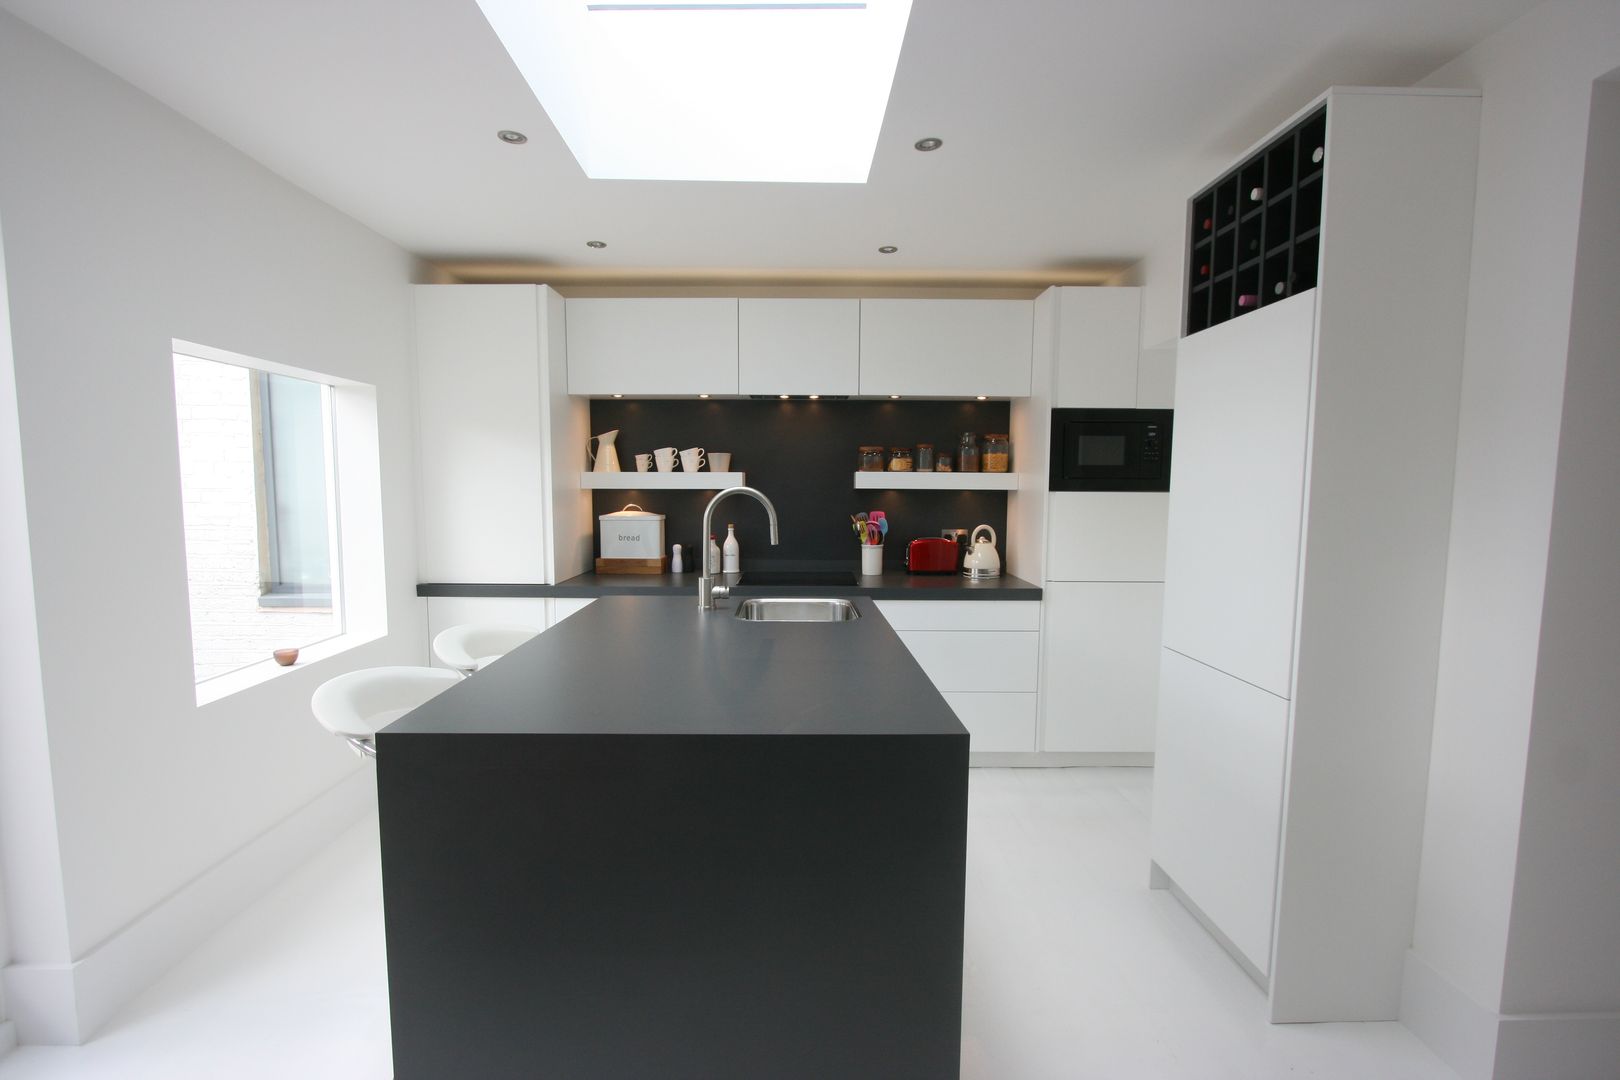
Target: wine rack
[1253,235]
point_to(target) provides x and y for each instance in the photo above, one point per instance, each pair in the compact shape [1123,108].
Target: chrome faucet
[707,589]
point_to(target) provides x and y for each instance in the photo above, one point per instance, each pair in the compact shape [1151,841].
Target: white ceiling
[1073,129]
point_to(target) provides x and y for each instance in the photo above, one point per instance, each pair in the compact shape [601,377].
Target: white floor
[1074,969]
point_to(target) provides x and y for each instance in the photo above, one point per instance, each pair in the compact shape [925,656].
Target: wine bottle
[1248,300]
[1256,194]
[1316,156]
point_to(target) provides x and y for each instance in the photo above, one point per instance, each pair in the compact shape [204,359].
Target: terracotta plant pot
[286,657]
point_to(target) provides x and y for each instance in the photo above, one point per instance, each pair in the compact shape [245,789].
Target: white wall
[1564,929]
[1537,80]
[125,227]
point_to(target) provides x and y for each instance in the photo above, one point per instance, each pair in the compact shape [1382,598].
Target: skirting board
[65,1004]
[1480,1044]
[1000,760]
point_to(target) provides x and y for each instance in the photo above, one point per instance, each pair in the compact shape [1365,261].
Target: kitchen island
[659,842]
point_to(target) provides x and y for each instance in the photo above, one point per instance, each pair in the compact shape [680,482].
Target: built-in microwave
[1111,449]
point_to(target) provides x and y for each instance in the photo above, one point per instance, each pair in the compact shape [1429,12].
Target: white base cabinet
[1100,675]
[984,657]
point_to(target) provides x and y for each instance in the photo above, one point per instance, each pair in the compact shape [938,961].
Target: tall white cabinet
[1309,513]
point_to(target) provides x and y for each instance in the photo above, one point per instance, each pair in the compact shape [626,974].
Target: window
[258,490]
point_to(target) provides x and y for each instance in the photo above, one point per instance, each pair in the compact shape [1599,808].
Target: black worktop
[890,585]
[657,665]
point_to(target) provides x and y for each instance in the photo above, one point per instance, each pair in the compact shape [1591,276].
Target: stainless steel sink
[796,609]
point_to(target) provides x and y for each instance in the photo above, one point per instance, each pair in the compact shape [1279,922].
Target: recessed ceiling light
[515,138]
[649,91]
[597,244]
[928,144]
[887,249]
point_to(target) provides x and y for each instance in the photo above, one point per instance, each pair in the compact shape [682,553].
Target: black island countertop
[657,665]
[890,585]
[657,841]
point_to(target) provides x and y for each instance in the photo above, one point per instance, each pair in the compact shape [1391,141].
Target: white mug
[644,462]
[692,460]
[719,462]
[665,456]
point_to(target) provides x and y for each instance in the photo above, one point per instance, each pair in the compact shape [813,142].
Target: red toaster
[932,555]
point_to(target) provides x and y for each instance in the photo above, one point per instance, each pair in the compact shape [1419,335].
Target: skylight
[784,92]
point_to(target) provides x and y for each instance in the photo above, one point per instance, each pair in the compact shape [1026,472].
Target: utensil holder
[871,560]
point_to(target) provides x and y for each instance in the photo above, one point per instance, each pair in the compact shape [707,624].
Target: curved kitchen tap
[707,589]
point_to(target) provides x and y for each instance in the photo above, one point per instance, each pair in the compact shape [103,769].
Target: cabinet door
[977,660]
[798,346]
[997,723]
[1098,331]
[651,347]
[1106,535]
[481,433]
[947,348]
[1217,798]
[1100,672]
[1237,491]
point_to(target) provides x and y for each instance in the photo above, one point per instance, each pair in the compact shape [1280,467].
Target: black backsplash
[802,454]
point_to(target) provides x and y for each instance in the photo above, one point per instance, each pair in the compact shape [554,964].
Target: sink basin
[796,609]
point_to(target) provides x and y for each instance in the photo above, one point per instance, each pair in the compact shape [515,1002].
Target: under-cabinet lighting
[984,397]
[764,92]
[894,397]
[618,395]
[815,397]
[703,395]
[783,397]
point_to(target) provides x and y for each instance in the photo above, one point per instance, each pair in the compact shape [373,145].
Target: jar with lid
[871,459]
[942,463]
[997,456]
[900,459]
[925,457]
[967,454]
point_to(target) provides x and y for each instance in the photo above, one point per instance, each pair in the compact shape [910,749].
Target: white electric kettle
[606,456]
[981,560]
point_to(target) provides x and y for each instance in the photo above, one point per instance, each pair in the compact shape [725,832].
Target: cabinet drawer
[1002,723]
[976,660]
[962,614]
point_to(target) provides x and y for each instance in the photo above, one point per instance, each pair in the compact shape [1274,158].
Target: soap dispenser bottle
[732,561]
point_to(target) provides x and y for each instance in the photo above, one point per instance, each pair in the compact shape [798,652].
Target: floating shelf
[937,481]
[661,481]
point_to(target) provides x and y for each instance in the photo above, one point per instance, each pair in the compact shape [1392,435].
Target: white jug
[606,457]
[981,560]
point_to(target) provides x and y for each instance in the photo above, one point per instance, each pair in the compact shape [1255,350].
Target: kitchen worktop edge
[892,585]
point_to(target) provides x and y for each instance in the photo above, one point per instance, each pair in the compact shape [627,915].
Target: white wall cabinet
[650,347]
[946,348]
[1098,335]
[1100,679]
[984,658]
[799,346]
[1309,523]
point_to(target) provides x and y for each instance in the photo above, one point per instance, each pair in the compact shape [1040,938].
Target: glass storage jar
[997,456]
[942,463]
[900,459]
[925,457]
[967,454]
[871,459]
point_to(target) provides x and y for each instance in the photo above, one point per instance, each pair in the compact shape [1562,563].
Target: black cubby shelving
[1253,235]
